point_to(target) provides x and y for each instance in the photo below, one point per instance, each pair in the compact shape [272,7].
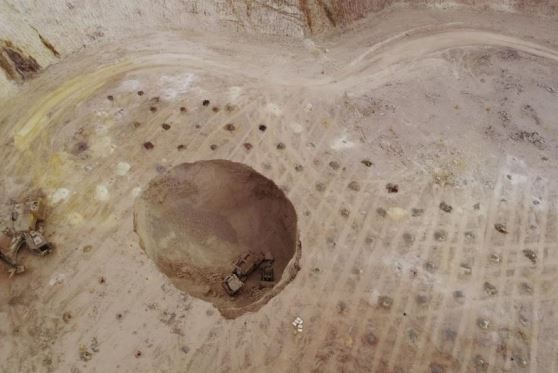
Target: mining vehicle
[244,267]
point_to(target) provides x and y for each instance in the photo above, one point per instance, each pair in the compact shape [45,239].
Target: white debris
[59,195]
[57,279]
[122,168]
[273,109]
[298,324]
[341,143]
[101,192]
[175,85]
[136,191]
[234,93]
[297,128]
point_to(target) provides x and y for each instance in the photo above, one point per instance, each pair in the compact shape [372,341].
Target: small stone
[417,212]
[205,102]
[213,147]
[392,188]
[136,124]
[440,235]
[445,207]
[531,255]
[299,168]
[110,97]
[366,162]
[520,361]
[262,127]
[87,248]
[152,109]
[495,258]
[181,147]
[490,289]
[500,228]
[148,145]
[215,109]
[458,294]
[140,93]
[408,238]
[84,353]
[66,316]
[354,186]
[430,267]
[370,339]
[334,165]
[483,323]
[281,146]
[345,212]
[183,109]
[421,299]
[166,126]
[230,127]
[526,288]
[137,354]
[466,269]
[381,211]
[247,146]
[185,349]
[481,363]
[320,187]
[385,302]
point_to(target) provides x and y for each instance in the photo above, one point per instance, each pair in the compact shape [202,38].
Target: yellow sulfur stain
[70,93]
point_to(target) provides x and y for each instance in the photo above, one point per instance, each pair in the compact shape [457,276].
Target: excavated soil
[197,219]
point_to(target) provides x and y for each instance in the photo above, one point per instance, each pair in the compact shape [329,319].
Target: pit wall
[321,15]
[46,31]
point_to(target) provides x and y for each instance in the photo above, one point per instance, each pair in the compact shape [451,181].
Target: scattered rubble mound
[196,220]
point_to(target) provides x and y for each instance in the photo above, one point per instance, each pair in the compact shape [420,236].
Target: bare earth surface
[459,109]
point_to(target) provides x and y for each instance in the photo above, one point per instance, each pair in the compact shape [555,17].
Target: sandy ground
[452,106]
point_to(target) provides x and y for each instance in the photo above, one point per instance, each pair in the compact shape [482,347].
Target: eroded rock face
[196,220]
[42,39]
[17,65]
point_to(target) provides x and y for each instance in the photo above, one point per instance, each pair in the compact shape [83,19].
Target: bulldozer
[25,229]
[244,266]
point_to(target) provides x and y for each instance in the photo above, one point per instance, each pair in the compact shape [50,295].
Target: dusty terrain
[455,108]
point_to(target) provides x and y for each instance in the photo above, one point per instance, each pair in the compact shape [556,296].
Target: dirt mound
[196,220]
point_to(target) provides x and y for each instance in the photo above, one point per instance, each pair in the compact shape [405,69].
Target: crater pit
[197,219]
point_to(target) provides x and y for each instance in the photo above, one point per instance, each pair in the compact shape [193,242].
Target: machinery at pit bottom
[246,265]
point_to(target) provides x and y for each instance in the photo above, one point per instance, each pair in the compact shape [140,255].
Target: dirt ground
[456,109]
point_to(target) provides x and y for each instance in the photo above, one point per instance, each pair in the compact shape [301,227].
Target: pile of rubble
[25,228]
